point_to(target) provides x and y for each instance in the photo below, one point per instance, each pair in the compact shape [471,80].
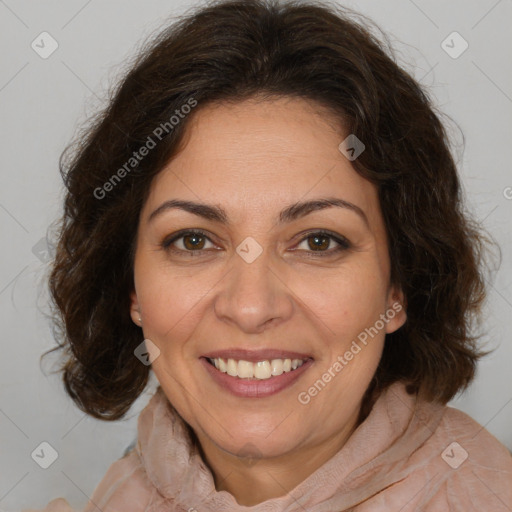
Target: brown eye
[319,243]
[187,242]
[193,241]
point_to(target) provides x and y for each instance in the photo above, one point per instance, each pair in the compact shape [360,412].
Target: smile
[261,370]
[266,375]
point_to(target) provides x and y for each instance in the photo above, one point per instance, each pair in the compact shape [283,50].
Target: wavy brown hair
[228,51]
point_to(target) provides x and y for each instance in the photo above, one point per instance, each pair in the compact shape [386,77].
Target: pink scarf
[406,456]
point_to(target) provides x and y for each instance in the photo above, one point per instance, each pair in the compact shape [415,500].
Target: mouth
[255,374]
[256,364]
[261,370]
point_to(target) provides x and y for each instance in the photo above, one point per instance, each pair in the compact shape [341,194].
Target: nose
[254,295]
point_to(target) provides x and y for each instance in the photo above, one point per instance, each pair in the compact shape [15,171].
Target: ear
[135,309]
[396,309]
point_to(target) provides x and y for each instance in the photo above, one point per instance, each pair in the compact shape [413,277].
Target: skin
[254,158]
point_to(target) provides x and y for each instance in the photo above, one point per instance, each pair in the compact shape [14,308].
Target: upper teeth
[259,370]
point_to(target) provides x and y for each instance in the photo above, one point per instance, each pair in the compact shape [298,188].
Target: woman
[270,203]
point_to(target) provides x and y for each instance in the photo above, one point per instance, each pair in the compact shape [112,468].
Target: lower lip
[255,388]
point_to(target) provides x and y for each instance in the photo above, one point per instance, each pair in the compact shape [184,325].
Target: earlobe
[135,309]
[396,311]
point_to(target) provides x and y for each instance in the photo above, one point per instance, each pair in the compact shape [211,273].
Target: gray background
[42,102]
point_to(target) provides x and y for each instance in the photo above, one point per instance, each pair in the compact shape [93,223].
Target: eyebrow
[290,213]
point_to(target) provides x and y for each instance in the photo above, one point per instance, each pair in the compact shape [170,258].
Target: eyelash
[344,244]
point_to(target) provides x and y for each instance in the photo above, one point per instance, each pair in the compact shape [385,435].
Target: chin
[258,448]
[243,443]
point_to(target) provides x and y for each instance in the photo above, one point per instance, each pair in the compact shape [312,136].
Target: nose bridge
[252,295]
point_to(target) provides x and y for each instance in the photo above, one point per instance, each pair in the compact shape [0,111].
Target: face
[257,285]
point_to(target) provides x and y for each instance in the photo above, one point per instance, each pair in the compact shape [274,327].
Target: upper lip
[255,355]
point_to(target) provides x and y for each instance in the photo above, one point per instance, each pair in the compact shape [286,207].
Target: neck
[253,481]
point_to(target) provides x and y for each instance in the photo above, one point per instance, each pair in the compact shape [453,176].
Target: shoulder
[124,486]
[455,464]
[475,445]
[468,468]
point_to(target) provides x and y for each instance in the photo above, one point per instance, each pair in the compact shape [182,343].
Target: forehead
[259,156]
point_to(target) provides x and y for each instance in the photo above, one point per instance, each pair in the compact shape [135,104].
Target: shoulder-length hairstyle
[229,51]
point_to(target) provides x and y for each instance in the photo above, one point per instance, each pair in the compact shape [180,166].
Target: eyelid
[343,243]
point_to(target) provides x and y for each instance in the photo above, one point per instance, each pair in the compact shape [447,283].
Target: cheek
[171,302]
[345,300]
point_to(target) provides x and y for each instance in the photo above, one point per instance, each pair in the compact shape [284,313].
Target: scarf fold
[374,458]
